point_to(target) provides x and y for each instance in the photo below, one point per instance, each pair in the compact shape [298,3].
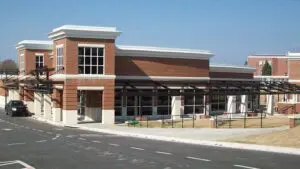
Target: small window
[90,60]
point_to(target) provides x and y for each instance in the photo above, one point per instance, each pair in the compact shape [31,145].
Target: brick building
[285,67]
[90,72]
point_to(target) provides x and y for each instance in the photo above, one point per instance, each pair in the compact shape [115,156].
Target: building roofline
[34,44]
[79,31]
[150,51]
[231,68]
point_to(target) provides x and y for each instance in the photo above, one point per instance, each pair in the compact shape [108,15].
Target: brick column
[108,103]
[3,94]
[70,102]
[57,105]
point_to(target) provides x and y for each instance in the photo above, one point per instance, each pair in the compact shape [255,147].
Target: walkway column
[176,107]
[37,104]
[47,107]
[93,108]
[108,104]
[57,105]
[206,103]
[244,104]
[270,104]
[70,102]
[29,100]
[3,94]
[231,104]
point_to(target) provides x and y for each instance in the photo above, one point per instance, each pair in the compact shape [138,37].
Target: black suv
[16,108]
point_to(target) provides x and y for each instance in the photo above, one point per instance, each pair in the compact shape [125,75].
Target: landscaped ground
[286,138]
[206,123]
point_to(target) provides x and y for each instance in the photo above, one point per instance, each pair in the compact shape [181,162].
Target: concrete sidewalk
[199,136]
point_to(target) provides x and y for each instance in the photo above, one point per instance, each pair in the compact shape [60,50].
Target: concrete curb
[240,146]
[47,121]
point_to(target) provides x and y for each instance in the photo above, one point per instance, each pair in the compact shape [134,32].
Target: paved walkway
[186,133]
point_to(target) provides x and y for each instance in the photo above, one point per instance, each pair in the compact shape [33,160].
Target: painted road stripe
[40,141]
[243,166]
[6,129]
[49,132]
[196,158]
[81,138]
[95,141]
[136,148]
[161,152]
[12,144]
[40,130]
[57,135]
[116,145]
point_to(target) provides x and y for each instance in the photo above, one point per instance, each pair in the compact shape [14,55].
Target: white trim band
[90,88]
[166,78]
[91,45]
[80,76]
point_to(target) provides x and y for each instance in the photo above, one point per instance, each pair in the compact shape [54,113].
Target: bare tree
[8,65]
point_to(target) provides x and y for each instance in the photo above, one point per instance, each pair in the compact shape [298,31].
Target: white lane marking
[6,129]
[81,139]
[40,130]
[9,163]
[41,141]
[70,136]
[196,158]
[12,144]
[25,165]
[3,162]
[27,127]
[57,135]
[243,166]
[33,129]
[49,132]
[137,148]
[161,152]
[111,144]
[57,129]
[95,141]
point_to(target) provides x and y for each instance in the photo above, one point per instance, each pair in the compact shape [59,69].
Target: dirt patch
[286,138]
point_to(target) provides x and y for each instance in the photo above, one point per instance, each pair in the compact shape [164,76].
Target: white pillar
[295,99]
[2,101]
[176,107]
[108,116]
[244,104]
[206,104]
[69,117]
[47,107]
[270,104]
[30,106]
[37,104]
[56,114]
[16,95]
[231,104]
[92,114]
[10,95]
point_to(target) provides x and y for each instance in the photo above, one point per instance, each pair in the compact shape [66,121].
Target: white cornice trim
[34,44]
[80,76]
[233,79]
[272,77]
[231,68]
[162,78]
[294,80]
[90,88]
[59,87]
[39,54]
[148,51]
[77,31]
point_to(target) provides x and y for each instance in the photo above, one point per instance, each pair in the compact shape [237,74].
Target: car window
[17,103]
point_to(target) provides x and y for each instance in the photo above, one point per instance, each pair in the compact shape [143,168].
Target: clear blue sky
[232,29]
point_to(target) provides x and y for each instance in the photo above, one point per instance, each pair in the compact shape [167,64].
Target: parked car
[16,108]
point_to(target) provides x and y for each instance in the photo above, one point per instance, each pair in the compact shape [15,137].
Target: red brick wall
[294,72]
[71,54]
[3,90]
[279,65]
[57,97]
[29,59]
[231,75]
[146,66]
